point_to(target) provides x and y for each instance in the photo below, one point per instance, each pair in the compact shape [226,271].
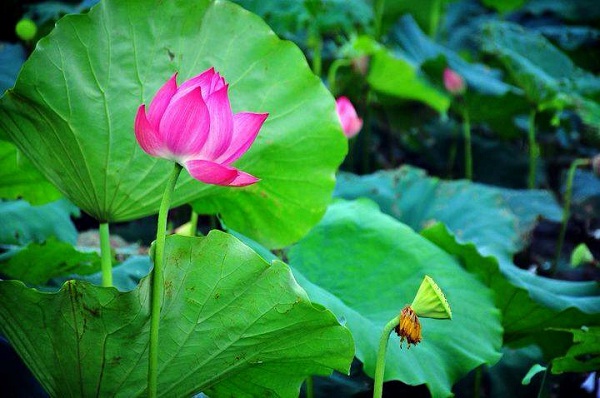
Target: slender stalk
[567,208]
[467,139]
[477,383]
[332,72]
[434,17]
[541,392]
[157,288]
[310,387]
[105,255]
[379,7]
[380,364]
[316,42]
[534,150]
[193,223]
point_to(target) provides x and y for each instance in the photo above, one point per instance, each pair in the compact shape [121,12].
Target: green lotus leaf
[583,355]
[530,304]
[20,180]
[72,109]
[365,266]
[38,262]
[23,223]
[481,230]
[229,322]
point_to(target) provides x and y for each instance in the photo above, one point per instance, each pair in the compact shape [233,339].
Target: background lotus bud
[351,123]
[361,64]
[454,82]
[194,126]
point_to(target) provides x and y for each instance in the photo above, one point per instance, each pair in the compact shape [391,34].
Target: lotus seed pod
[26,29]
[430,302]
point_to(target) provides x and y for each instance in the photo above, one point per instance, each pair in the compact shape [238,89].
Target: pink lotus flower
[454,82]
[194,126]
[351,123]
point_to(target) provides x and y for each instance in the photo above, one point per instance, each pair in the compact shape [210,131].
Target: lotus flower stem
[467,138]
[157,288]
[477,382]
[193,223]
[567,208]
[378,9]
[310,387]
[106,257]
[534,150]
[317,47]
[332,72]
[380,364]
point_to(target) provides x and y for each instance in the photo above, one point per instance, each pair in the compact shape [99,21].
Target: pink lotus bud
[351,123]
[194,126]
[454,82]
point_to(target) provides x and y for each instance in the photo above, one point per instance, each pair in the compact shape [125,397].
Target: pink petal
[217,174]
[351,123]
[185,125]
[161,100]
[246,126]
[147,136]
[221,125]
[203,80]
[217,83]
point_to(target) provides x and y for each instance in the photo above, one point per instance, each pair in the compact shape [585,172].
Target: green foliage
[365,266]
[472,211]
[23,223]
[38,262]
[72,109]
[548,76]
[583,355]
[21,180]
[530,304]
[580,255]
[535,369]
[395,76]
[504,5]
[230,321]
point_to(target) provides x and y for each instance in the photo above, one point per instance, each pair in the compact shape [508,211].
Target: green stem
[332,72]
[194,223]
[467,138]
[157,288]
[379,7]
[541,392]
[310,387]
[477,384]
[106,256]
[434,17]
[534,150]
[317,46]
[380,364]
[567,208]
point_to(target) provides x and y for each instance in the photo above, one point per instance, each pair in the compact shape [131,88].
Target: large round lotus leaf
[232,325]
[474,212]
[73,106]
[365,266]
